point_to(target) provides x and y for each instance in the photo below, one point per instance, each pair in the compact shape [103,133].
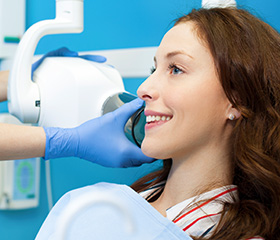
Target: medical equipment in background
[19,180]
[218,3]
[65,91]
[12,26]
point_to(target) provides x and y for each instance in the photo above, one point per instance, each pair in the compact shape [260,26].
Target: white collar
[193,202]
[199,215]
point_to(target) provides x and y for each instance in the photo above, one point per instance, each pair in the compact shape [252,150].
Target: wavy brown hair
[246,52]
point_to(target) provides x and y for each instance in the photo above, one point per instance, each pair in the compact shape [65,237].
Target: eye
[153,69]
[174,69]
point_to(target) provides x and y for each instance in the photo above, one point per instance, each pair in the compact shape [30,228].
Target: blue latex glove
[65,52]
[101,140]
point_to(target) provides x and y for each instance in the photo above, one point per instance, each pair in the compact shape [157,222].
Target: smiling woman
[217,78]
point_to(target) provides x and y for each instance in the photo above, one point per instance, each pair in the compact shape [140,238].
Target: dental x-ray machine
[65,91]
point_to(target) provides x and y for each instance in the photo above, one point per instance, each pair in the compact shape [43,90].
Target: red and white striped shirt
[199,215]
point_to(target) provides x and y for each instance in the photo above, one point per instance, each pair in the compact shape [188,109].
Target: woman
[217,78]
[212,107]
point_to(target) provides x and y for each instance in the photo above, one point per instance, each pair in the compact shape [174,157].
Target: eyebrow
[172,54]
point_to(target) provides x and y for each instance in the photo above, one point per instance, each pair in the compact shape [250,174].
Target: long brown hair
[246,53]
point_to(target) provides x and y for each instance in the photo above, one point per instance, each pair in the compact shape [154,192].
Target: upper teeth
[157,118]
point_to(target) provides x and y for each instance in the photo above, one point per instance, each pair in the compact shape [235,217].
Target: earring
[231,117]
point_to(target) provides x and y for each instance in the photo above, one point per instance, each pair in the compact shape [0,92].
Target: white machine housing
[73,90]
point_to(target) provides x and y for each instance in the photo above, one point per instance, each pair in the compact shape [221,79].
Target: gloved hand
[65,52]
[101,140]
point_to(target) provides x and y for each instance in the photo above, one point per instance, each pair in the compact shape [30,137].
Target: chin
[152,150]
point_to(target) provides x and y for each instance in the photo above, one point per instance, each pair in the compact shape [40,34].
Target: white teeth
[157,118]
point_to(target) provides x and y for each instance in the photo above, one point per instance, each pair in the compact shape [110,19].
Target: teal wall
[109,24]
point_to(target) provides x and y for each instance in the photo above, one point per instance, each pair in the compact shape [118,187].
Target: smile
[153,118]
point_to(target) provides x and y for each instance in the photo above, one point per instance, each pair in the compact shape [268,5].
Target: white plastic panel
[12,26]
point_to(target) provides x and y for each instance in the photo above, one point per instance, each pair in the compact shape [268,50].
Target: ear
[233,113]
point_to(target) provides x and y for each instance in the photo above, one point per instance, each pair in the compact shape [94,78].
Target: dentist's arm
[101,140]
[19,142]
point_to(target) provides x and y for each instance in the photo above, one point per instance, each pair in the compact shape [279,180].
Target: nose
[148,91]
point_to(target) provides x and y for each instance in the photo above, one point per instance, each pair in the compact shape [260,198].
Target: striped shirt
[199,215]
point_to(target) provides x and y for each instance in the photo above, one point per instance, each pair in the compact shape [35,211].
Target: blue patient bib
[105,221]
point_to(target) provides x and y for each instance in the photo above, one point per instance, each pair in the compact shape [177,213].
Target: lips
[156,118]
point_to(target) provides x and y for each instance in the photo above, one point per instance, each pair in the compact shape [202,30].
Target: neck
[193,175]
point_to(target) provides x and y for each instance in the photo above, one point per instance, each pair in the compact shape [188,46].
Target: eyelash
[171,66]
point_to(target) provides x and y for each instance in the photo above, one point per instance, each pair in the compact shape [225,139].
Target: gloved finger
[94,58]
[137,157]
[124,112]
[62,52]
[144,159]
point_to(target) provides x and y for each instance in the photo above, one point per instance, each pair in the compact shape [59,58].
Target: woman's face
[186,107]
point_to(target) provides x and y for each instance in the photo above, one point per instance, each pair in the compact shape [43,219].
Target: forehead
[183,37]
